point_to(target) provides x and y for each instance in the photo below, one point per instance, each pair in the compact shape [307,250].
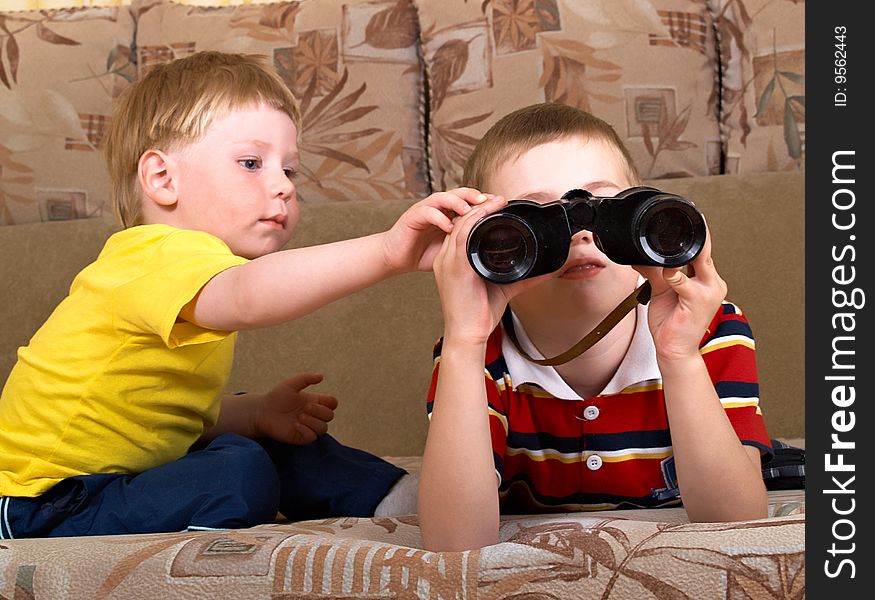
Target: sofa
[708,96]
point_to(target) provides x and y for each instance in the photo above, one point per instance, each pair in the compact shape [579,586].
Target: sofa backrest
[375,347]
[396,92]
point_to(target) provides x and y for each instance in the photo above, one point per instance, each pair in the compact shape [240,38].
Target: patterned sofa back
[396,92]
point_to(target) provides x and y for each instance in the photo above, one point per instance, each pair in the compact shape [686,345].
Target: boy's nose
[283,187]
[582,236]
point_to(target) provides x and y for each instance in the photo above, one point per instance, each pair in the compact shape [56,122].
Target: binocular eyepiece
[638,226]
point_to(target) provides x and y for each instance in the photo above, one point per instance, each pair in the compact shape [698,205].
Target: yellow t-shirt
[114,382]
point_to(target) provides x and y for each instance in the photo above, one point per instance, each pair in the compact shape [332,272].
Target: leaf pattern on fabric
[778,89]
[514,24]
[354,164]
[781,103]
[42,24]
[517,23]
[316,59]
[451,148]
[12,173]
[582,550]
[270,23]
[14,24]
[565,75]
[119,62]
[393,27]
[668,133]
[539,556]
[448,64]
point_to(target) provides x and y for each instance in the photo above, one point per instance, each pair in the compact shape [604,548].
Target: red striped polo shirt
[554,451]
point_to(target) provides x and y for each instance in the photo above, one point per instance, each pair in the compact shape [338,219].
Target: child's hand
[289,414]
[682,305]
[472,306]
[415,238]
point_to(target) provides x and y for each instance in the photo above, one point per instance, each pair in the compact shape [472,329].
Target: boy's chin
[256,250]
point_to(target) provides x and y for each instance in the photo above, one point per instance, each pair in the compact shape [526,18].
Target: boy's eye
[249,163]
[290,173]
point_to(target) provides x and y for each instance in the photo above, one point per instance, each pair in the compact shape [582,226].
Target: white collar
[639,363]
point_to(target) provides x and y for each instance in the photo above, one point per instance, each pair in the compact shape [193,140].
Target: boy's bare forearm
[458,495]
[235,416]
[720,479]
[289,284]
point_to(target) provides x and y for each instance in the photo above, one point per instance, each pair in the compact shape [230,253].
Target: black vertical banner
[840,269]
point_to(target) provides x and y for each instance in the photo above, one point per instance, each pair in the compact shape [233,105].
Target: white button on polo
[594,462]
[591,413]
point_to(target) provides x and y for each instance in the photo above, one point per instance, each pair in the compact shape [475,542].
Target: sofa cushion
[352,63]
[611,554]
[762,55]
[59,73]
[648,68]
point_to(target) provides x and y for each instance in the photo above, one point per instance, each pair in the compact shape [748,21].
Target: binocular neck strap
[641,295]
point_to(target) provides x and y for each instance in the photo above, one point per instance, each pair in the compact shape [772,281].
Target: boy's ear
[155,173]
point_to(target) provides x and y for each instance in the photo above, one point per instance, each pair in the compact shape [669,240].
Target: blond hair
[534,125]
[174,104]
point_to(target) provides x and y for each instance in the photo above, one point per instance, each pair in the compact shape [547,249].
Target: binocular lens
[668,233]
[505,247]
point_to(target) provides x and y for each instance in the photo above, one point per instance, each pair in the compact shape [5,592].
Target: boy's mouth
[277,222]
[582,269]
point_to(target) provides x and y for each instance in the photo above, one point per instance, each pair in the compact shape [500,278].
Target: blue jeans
[231,482]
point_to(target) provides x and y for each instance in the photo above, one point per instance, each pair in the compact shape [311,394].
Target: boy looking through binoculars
[662,409]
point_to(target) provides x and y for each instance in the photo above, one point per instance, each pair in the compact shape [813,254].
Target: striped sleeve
[494,397]
[729,352]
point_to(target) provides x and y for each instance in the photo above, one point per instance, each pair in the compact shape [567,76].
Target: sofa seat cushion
[626,554]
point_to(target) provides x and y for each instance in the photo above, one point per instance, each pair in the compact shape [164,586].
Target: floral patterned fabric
[59,73]
[762,60]
[396,92]
[648,68]
[23,5]
[352,64]
[618,554]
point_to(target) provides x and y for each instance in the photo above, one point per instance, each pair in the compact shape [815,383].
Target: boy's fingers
[305,434]
[435,216]
[470,195]
[703,264]
[321,412]
[313,424]
[452,202]
[303,380]
[462,200]
[674,277]
[465,224]
[328,401]
[656,277]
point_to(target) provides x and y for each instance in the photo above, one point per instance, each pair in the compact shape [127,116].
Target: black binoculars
[638,226]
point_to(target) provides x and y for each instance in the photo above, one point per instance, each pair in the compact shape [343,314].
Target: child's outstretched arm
[288,284]
[720,478]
